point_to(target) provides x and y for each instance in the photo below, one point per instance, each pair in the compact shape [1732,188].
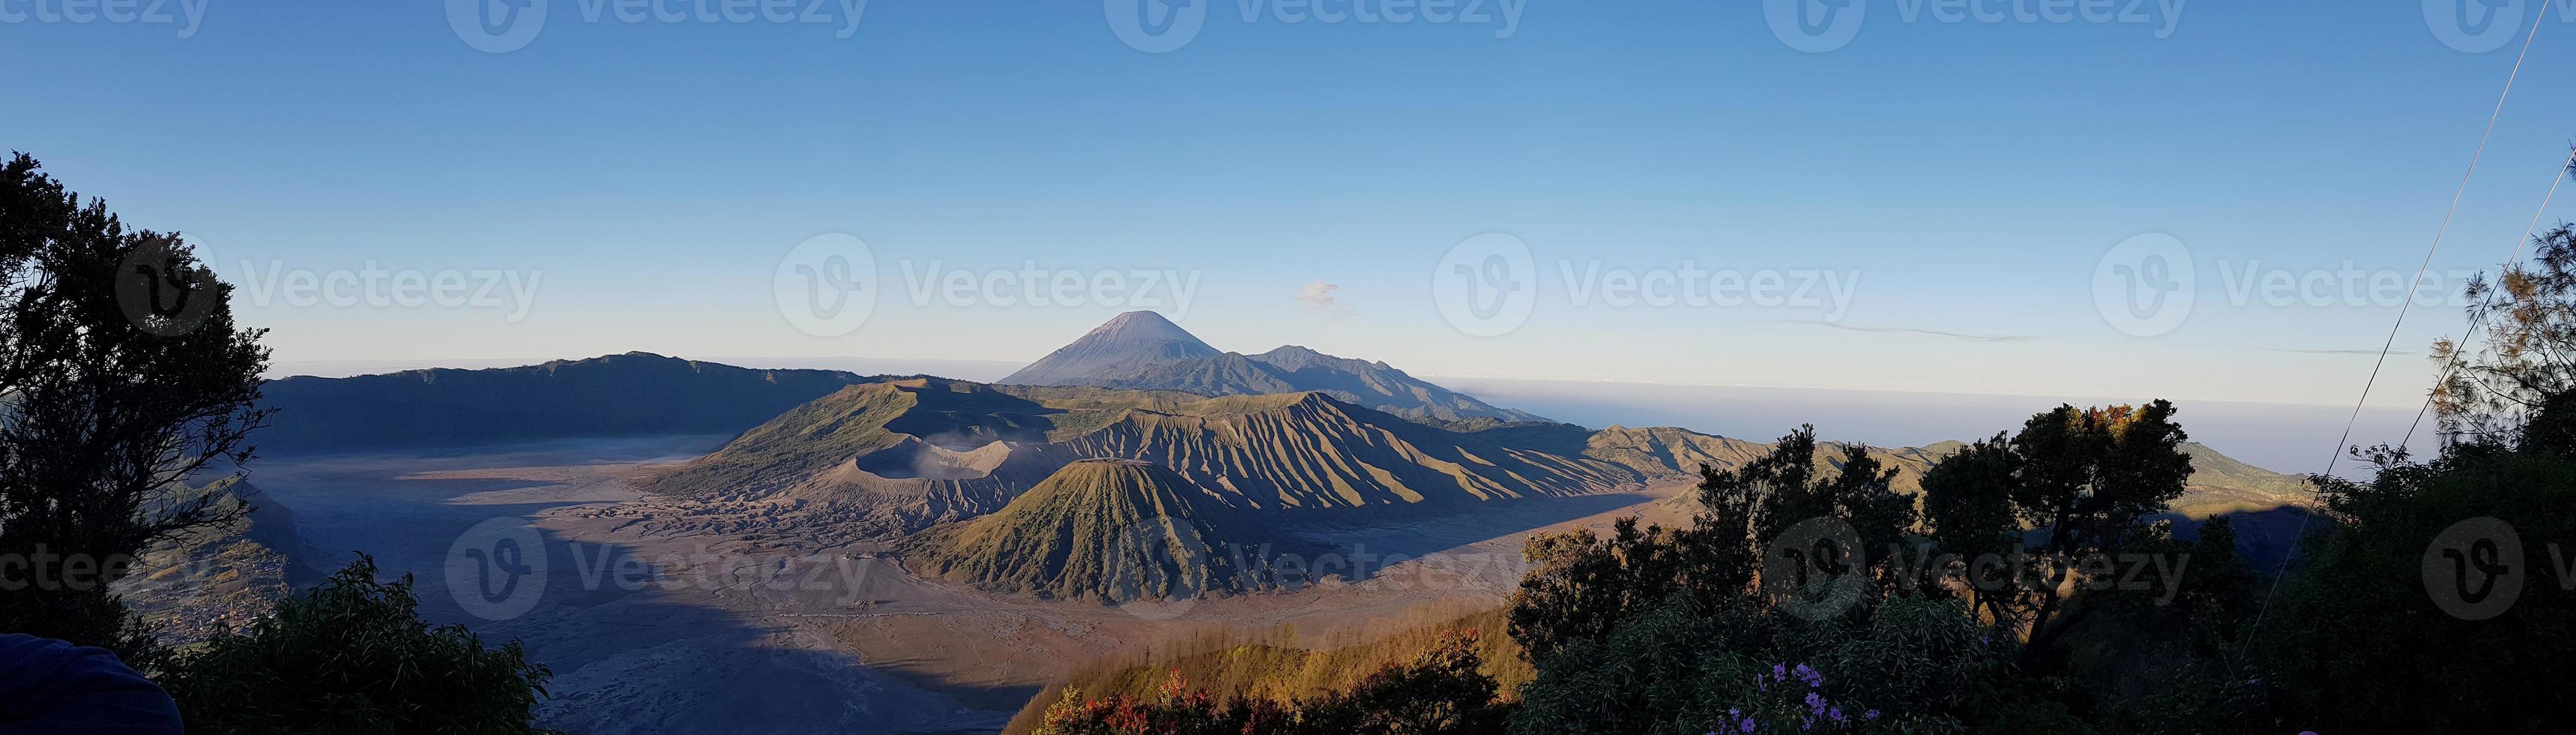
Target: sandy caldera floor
[710,632]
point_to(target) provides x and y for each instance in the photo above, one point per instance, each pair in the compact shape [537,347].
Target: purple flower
[1746,726]
[1869,715]
[1834,713]
[1812,677]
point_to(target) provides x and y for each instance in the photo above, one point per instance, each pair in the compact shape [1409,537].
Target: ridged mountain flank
[890,458]
[1115,530]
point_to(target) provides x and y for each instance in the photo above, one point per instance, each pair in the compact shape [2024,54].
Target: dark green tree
[121,375]
[2088,477]
[2358,642]
[1968,511]
[1582,586]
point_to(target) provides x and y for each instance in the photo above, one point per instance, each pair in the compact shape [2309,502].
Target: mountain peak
[1145,326]
[1126,343]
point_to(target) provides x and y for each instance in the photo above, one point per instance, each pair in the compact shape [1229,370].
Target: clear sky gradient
[649,177]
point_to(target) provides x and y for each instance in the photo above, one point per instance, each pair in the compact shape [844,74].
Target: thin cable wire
[2313,502]
[2477,318]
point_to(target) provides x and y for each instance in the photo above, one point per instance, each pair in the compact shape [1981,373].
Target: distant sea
[2281,437]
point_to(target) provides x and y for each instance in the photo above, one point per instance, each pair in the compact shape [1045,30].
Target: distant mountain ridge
[882,460]
[1141,350]
[633,394]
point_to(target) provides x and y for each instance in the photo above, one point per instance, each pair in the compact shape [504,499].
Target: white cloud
[1319,297]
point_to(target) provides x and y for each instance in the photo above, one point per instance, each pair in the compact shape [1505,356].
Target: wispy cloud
[1319,297]
[1927,332]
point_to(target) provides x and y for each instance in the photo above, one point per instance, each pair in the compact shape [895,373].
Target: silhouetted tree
[1582,586]
[1968,509]
[121,374]
[2088,477]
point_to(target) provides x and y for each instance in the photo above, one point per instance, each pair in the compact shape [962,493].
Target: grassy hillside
[1279,665]
[1115,530]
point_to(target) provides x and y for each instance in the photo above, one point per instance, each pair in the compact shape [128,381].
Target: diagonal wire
[2275,588]
[2479,317]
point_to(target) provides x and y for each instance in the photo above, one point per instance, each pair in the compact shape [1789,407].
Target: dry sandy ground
[711,633]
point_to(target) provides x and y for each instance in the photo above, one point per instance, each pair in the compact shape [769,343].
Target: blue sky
[645,180]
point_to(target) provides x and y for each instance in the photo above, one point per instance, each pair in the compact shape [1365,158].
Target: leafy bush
[2357,644]
[353,656]
[1922,664]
